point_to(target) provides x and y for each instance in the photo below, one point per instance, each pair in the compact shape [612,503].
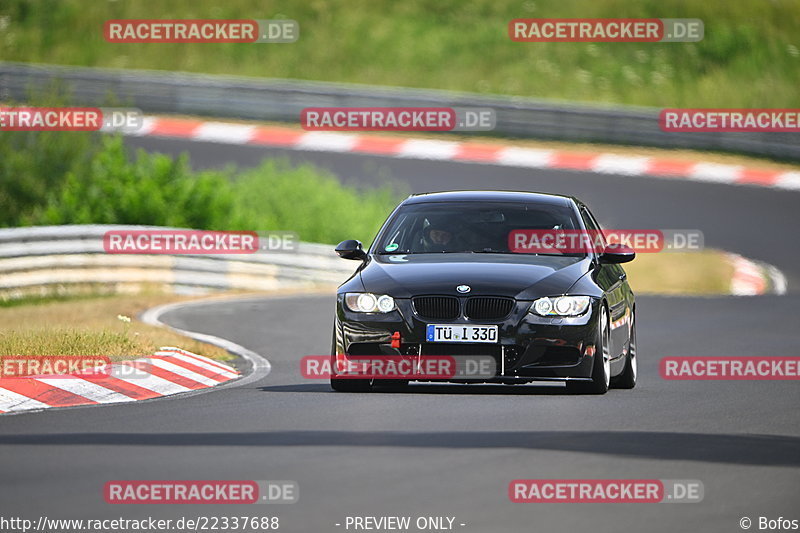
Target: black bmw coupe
[445,277]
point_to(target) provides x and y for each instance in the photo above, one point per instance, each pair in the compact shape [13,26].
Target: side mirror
[351,249]
[617,253]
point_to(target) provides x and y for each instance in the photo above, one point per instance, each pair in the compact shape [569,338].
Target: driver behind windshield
[440,236]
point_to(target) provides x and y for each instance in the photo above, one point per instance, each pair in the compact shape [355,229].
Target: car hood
[522,277]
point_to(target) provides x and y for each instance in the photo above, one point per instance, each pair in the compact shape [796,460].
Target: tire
[627,380]
[601,366]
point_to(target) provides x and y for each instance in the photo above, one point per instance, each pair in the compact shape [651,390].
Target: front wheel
[627,380]
[601,367]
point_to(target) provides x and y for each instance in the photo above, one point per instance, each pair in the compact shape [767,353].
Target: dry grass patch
[691,273]
[90,326]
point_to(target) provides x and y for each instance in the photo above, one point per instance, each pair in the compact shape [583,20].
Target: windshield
[471,227]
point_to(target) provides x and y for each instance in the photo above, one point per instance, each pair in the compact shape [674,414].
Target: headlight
[366,302]
[561,306]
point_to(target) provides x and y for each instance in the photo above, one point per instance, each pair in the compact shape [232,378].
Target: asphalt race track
[452,450]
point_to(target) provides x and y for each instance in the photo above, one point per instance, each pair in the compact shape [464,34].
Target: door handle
[623,276]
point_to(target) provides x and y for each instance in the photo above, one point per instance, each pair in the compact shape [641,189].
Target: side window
[395,235]
[592,225]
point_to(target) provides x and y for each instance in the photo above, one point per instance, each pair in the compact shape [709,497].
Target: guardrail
[282,100]
[44,259]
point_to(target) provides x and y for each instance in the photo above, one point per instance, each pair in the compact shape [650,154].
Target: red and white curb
[466,151]
[169,371]
[751,278]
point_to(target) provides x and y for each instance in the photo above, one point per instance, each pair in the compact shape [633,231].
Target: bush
[155,189]
[33,165]
[311,202]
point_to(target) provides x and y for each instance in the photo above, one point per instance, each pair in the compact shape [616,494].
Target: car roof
[491,196]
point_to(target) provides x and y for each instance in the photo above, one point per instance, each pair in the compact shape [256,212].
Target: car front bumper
[529,348]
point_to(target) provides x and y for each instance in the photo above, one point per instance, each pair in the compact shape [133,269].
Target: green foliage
[73,178]
[154,189]
[314,204]
[33,164]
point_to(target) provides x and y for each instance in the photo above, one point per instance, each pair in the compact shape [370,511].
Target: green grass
[749,57]
[45,298]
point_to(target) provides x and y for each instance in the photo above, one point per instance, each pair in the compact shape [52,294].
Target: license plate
[461,333]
